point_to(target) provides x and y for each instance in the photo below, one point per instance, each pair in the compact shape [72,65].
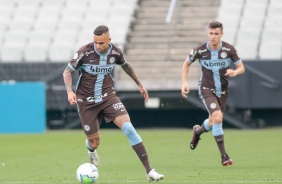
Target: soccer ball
[87,173]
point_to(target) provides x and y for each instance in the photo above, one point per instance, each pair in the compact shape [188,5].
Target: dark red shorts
[211,101]
[91,114]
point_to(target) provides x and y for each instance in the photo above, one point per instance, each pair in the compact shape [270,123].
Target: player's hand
[72,98]
[144,92]
[230,73]
[184,90]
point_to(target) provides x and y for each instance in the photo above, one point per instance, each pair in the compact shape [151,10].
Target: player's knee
[128,129]
[131,133]
[216,118]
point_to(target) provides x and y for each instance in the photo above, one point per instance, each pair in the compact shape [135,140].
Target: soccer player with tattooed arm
[95,95]
[215,58]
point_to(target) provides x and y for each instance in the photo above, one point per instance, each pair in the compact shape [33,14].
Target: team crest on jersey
[223,55]
[112,60]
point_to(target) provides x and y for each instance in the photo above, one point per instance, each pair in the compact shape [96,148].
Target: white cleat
[154,176]
[94,158]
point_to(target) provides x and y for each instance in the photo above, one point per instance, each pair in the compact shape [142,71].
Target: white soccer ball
[87,173]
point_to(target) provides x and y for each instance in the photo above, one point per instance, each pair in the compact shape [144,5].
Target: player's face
[215,36]
[102,42]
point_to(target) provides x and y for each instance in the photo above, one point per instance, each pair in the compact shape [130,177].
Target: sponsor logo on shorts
[213,105]
[118,106]
[86,128]
[92,99]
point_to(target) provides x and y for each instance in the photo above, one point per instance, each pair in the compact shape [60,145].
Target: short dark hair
[101,30]
[216,24]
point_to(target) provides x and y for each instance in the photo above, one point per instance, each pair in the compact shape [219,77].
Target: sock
[206,125]
[131,133]
[219,138]
[220,143]
[204,128]
[88,146]
[142,154]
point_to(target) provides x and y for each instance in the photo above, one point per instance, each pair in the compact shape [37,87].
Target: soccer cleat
[195,138]
[225,160]
[154,176]
[94,158]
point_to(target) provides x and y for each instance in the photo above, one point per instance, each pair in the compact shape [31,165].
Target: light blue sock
[207,126]
[217,129]
[88,146]
[131,133]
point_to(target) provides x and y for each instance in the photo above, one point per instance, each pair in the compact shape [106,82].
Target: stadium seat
[49,12]
[36,52]
[271,34]
[272,22]
[256,3]
[11,52]
[247,50]
[229,35]
[274,11]
[60,52]
[227,3]
[50,22]
[16,36]
[251,35]
[270,50]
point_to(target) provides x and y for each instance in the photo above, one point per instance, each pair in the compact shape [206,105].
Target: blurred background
[39,37]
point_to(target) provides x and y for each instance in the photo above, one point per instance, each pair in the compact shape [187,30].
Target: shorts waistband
[215,91]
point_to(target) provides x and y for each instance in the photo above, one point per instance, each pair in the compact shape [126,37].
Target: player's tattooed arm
[129,71]
[68,79]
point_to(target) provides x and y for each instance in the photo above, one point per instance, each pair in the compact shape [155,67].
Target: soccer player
[95,95]
[215,58]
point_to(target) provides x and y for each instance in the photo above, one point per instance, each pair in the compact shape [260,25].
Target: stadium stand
[52,24]
[157,49]
[42,32]
[257,29]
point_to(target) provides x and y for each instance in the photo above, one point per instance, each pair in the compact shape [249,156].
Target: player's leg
[117,113]
[90,121]
[197,132]
[206,97]
[123,122]
[217,119]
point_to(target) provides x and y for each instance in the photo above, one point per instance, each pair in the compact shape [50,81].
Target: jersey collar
[109,50]
[208,47]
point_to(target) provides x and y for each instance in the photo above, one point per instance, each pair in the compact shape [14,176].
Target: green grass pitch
[54,156]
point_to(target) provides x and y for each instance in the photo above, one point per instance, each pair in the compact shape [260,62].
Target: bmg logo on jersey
[220,64]
[101,69]
[118,106]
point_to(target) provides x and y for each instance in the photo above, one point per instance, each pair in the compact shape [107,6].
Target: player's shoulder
[116,49]
[227,46]
[86,48]
[201,47]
